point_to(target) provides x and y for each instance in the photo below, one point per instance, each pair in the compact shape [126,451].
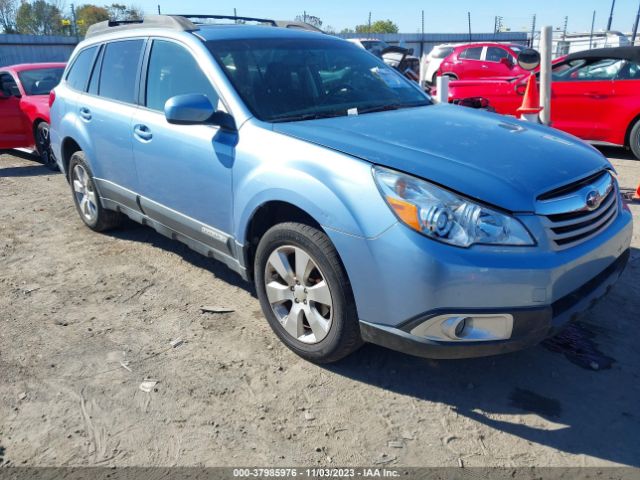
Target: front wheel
[305,293]
[43,146]
[634,140]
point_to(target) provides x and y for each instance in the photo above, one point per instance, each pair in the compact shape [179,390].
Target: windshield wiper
[390,106]
[307,116]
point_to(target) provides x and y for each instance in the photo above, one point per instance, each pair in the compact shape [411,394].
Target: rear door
[14,128]
[184,170]
[579,97]
[471,63]
[106,111]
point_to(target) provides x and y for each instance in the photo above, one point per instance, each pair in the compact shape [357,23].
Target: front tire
[43,146]
[86,198]
[305,293]
[634,140]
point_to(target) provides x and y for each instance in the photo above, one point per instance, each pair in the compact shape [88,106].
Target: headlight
[445,216]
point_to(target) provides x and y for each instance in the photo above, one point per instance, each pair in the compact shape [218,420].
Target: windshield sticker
[388,77]
[352,112]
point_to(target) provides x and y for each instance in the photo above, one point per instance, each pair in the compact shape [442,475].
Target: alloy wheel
[85,194]
[298,294]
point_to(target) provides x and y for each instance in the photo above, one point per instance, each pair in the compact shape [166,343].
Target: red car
[595,95]
[24,107]
[482,60]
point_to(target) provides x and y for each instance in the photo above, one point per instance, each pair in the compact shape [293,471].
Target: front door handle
[85,113]
[142,132]
[596,95]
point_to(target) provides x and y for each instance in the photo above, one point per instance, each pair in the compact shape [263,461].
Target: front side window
[495,54]
[293,79]
[120,70]
[173,71]
[582,70]
[474,53]
[78,75]
[40,81]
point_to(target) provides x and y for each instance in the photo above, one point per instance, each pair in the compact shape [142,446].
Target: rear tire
[86,197]
[43,146]
[634,140]
[305,293]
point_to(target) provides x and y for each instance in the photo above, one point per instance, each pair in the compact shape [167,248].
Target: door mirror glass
[529,59]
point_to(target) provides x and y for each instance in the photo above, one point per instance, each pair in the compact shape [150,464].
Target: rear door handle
[142,132]
[85,113]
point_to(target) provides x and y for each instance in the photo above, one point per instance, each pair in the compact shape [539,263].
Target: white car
[435,59]
[372,45]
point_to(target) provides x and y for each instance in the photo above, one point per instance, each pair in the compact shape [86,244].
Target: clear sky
[440,16]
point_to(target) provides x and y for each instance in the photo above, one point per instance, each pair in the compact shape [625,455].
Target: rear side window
[78,75]
[173,71]
[442,52]
[120,70]
[474,53]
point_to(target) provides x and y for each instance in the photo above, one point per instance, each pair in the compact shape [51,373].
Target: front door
[579,96]
[184,170]
[14,129]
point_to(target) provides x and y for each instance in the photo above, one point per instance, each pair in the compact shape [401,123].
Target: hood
[492,158]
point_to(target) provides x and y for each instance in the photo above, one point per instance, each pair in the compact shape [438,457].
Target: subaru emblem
[593,200]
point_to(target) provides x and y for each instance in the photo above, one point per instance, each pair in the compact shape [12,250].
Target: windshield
[40,81]
[298,79]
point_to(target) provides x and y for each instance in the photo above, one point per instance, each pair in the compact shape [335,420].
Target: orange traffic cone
[637,195]
[530,107]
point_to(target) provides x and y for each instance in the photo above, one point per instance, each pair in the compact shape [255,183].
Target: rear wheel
[305,293]
[634,140]
[43,146]
[86,197]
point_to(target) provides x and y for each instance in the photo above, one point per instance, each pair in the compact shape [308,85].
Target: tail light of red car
[52,97]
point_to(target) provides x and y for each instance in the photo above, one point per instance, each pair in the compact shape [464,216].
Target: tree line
[48,17]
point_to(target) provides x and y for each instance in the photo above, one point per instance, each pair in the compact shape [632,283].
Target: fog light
[466,328]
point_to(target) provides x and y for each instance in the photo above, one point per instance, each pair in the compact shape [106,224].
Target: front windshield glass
[40,81]
[298,79]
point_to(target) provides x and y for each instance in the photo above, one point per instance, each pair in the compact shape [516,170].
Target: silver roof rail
[173,22]
[201,19]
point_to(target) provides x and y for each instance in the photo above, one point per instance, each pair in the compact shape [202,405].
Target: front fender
[338,191]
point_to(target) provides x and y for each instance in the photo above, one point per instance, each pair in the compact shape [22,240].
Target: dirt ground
[86,317]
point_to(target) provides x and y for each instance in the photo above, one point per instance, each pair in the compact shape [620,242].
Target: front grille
[568,218]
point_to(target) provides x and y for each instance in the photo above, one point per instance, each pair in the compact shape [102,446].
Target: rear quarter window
[120,68]
[80,70]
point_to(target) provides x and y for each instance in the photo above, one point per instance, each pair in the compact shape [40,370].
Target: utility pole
[159,12]
[635,27]
[74,28]
[533,29]
[564,29]
[304,16]
[422,37]
[235,14]
[369,23]
[469,19]
[613,5]
[593,24]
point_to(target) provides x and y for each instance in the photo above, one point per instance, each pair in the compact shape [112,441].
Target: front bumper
[530,325]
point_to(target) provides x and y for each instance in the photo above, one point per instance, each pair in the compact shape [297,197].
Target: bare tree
[8,9]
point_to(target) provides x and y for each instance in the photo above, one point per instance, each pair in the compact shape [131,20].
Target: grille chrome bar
[581,212]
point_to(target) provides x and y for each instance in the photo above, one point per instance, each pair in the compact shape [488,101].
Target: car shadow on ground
[35,170]
[135,232]
[585,400]
[617,153]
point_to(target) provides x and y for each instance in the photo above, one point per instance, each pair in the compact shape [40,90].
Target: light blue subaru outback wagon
[362,211]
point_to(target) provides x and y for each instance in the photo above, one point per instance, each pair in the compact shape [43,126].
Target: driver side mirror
[507,61]
[196,109]
[529,59]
